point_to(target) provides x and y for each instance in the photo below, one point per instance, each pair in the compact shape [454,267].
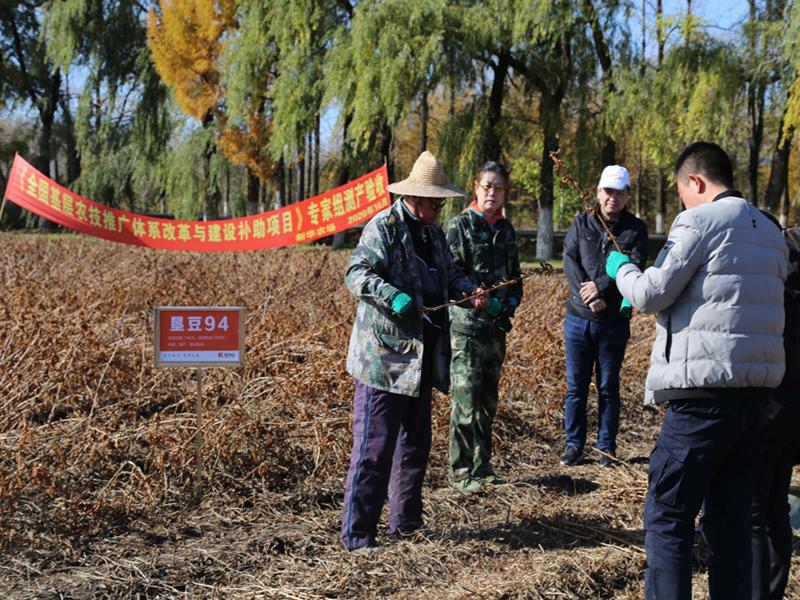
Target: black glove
[503,320]
[510,306]
[503,323]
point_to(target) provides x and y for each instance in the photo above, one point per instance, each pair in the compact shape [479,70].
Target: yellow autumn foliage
[186,40]
[247,145]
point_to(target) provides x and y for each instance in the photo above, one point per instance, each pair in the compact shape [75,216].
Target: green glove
[626,309]
[614,261]
[401,303]
[494,307]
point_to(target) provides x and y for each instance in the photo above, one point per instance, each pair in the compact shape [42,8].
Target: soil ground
[98,496]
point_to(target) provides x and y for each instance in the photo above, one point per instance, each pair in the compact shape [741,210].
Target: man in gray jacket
[717,287]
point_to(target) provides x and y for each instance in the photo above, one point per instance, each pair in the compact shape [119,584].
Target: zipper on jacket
[668,345]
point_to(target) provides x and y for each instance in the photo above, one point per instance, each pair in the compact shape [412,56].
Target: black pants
[703,457]
[772,530]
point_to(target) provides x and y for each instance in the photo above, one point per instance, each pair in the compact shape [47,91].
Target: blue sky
[722,16]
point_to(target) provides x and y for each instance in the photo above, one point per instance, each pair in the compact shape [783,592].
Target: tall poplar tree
[380,63]
[248,76]
[303,32]
[763,62]
[30,77]
[548,35]
[122,126]
[693,91]
[787,30]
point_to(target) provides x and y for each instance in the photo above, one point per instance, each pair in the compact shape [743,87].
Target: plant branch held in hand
[568,180]
[544,269]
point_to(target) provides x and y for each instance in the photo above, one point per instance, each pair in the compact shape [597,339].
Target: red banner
[305,221]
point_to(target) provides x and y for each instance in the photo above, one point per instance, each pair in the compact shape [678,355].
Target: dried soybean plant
[94,431]
[543,269]
[96,454]
[568,180]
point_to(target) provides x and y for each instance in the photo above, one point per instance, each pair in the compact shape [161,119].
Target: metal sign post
[199,336]
[198,435]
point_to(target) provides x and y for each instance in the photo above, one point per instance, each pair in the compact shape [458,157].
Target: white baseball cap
[615,177]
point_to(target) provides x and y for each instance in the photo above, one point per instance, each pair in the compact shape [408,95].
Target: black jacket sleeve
[573,269]
[639,252]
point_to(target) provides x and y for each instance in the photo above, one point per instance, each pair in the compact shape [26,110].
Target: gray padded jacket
[717,287]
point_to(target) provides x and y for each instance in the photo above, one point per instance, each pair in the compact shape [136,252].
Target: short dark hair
[707,159]
[494,167]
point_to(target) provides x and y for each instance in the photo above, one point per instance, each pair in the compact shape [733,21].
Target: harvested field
[97,458]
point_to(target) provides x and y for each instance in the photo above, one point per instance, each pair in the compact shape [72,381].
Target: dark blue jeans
[598,346]
[703,457]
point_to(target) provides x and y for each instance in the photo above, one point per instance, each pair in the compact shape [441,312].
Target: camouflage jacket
[486,257]
[386,349]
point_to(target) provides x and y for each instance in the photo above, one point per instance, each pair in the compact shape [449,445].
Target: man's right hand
[626,309]
[494,307]
[598,305]
[614,261]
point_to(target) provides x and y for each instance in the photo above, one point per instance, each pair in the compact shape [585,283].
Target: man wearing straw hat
[398,352]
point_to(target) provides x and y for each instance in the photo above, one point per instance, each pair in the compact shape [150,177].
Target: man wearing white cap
[597,328]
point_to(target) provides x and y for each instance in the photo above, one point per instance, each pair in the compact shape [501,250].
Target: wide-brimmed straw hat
[427,180]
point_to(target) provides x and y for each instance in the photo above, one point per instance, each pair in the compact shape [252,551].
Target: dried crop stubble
[97,457]
[94,435]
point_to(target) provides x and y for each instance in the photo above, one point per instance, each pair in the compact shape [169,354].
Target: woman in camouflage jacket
[484,245]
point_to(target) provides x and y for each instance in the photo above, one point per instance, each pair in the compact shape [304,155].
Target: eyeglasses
[497,187]
[436,204]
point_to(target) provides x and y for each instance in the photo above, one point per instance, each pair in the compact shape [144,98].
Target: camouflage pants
[474,377]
